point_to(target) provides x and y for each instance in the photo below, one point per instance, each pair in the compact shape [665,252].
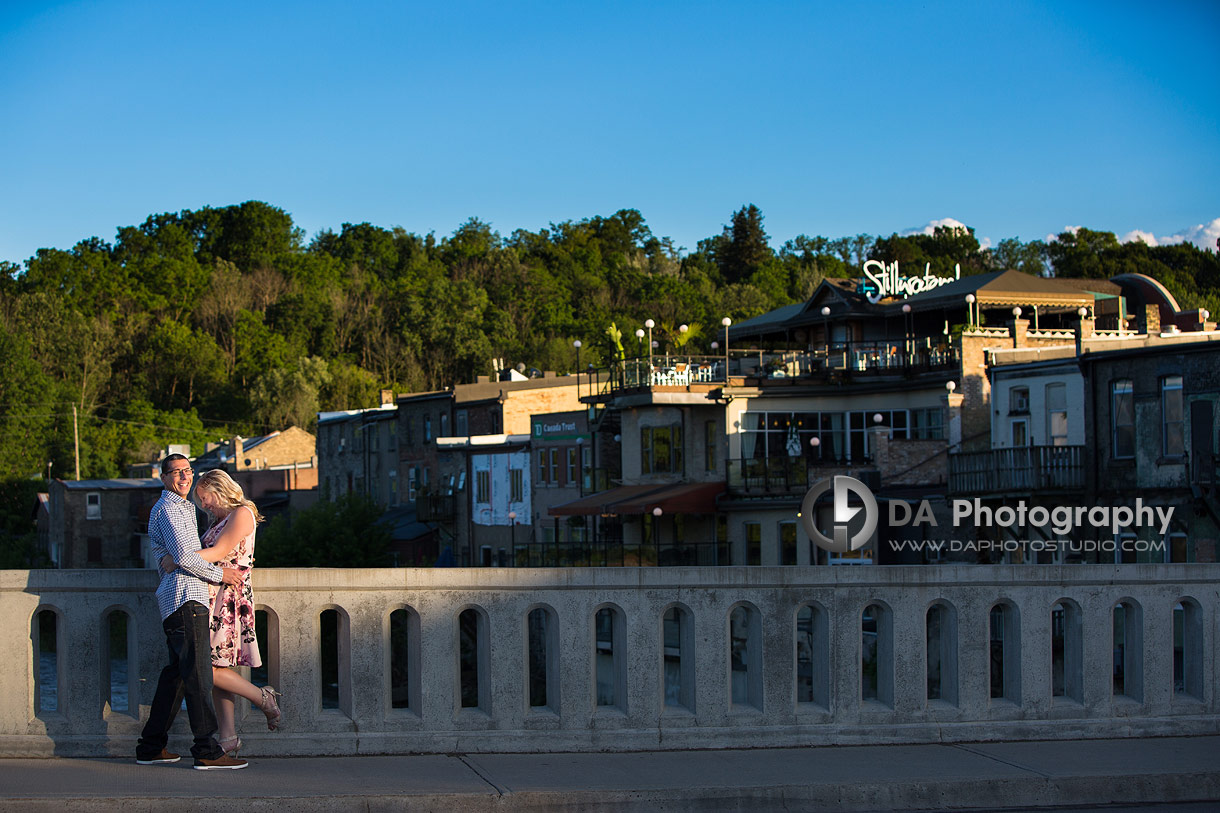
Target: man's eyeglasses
[181,474]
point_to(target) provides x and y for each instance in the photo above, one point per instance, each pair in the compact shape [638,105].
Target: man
[182,597]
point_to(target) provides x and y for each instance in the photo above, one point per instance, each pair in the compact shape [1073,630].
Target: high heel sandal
[270,707]
[231,747]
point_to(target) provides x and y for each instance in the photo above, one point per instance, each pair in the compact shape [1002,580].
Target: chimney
[387,397]
[1152,319]
[238,461]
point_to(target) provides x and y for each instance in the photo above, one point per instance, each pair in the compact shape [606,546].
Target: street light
[970,310]
[907,340]
[648,323]
[576,344]
[726,321]
[826,334]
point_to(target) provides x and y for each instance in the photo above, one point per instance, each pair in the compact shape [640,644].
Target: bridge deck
[1011,776]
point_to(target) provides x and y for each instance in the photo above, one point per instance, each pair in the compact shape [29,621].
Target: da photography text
[1063,520]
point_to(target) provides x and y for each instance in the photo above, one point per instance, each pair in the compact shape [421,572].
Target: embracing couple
[207,613]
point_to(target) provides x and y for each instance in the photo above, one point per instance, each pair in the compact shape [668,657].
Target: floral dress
[233,640]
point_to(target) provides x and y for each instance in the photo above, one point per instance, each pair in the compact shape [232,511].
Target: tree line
[197,325]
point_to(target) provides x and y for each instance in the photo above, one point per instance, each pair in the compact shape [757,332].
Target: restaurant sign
[884,281]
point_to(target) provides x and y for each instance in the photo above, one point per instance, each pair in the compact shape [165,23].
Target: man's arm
[179,535]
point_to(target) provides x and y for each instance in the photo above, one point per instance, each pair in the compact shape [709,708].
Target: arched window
[543,659]
[47,665]
[1005,667]
[877,655]
[812,656]
[1188,649]
[1128,629]
[404,690]
[678,658]
[1067,661]
[120,685]
[610,663]
[745,657]
[473,688]
[941,636]
[334,656]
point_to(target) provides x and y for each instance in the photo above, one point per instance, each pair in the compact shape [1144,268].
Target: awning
[675,498]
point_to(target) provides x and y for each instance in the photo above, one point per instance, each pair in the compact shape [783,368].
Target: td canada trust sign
[855,514]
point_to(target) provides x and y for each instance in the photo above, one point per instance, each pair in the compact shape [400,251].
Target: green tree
[343,533]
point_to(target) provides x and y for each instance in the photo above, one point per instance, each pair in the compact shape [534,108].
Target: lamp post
[826,334]
[907,349]
[970,311]
[726,321]
[512,518]
[576,344]
[648,323]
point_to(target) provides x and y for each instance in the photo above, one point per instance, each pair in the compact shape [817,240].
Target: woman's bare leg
[225,678]
[226,715]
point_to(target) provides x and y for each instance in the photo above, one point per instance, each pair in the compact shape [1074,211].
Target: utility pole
[76,440]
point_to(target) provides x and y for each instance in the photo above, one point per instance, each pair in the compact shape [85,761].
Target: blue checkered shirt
[172,529]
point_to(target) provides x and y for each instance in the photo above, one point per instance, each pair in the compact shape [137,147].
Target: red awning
[679,498]
[682,498]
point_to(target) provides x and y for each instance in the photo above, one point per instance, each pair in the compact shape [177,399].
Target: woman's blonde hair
[226,489]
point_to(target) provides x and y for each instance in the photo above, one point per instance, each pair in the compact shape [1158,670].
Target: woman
[230,543]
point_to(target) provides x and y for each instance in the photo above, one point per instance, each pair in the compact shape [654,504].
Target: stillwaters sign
[887,282]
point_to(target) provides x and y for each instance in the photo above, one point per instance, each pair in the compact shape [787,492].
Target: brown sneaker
[224,762]
[163,758]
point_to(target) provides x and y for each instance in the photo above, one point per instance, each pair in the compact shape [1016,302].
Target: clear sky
[1019,119]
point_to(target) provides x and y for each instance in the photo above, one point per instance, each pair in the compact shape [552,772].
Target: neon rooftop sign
[888,282]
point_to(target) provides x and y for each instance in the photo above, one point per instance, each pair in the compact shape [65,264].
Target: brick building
[100,523]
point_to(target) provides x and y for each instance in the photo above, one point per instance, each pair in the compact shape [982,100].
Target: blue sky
[1019,119]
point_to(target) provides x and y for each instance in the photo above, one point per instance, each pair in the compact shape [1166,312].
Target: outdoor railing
[439,660]
[1022,469]
[842,359]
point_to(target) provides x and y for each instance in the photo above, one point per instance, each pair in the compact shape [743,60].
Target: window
[553,457]
[444,425]
[374,437]
[93,506]
[461,423]
[927,424]
[1020,432]
[1018,400]
[412,483]
[427,429]
[710,441]
[543,470]
[1122,418]
[1172,440]
[1056,414]
[661,449]
[516,483]
[787,543]
[573,463]
[482,486]
[753,543]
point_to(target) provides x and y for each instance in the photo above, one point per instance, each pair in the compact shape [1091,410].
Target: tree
[746,245]
[343,533]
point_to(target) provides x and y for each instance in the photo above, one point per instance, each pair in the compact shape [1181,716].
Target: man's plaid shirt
[172,529]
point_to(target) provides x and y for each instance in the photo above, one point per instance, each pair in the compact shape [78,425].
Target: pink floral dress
[233,640]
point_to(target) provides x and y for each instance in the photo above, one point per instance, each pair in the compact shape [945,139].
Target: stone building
[100,523]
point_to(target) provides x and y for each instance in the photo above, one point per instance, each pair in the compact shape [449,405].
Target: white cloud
[930,228]
[1203,236]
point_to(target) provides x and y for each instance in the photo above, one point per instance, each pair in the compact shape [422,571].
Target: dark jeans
[189,674]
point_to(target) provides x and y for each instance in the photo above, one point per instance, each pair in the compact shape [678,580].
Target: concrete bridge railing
[586,659]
